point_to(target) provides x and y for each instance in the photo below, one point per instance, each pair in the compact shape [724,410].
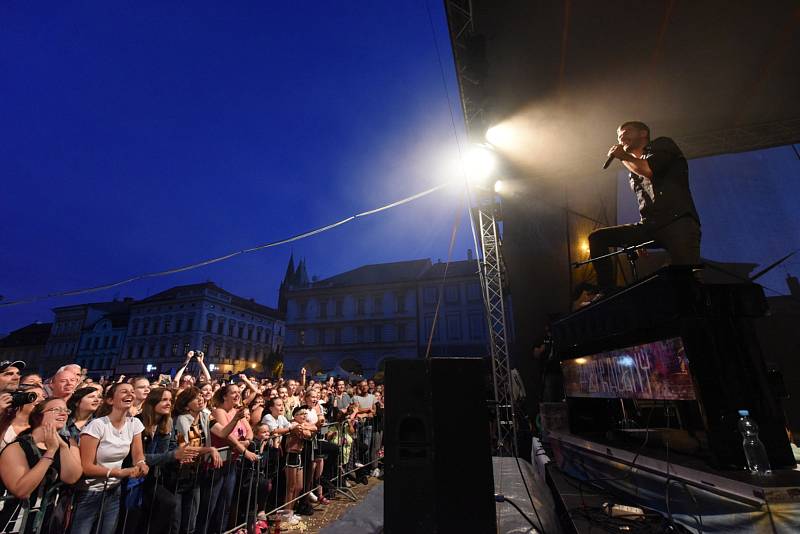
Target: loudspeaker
[438,460]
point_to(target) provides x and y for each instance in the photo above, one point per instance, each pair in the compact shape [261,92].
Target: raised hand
[51,439]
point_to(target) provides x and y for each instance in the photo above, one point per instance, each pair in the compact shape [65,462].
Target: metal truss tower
[492,278]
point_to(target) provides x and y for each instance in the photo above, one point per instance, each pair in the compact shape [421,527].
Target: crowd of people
[178,455]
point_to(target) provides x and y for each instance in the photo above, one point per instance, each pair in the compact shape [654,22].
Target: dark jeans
[222,505]
[93,507]
[210,487]
[681,238]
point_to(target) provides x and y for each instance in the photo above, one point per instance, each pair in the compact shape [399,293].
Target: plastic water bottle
[754,451]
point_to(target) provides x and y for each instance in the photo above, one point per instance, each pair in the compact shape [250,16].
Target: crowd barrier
[150,505]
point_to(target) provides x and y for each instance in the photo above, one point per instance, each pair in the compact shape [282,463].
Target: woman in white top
[105,443]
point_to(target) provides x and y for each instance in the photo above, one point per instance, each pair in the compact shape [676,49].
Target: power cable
[228,256]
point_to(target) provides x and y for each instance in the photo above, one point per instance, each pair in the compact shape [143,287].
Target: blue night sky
[137,139]
[140,138]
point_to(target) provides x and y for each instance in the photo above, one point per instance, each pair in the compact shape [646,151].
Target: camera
[21,398]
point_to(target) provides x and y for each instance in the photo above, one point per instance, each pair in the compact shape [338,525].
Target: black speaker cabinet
[438,462]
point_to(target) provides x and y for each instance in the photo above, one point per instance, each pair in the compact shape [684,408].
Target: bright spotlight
[501,135]
[479,163]
[500,187]
[584,246]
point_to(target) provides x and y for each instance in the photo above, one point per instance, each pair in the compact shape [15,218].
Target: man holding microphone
[659,177]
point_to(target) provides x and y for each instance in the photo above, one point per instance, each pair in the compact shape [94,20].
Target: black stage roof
[718,76]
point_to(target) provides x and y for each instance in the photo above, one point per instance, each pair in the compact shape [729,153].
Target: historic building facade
[27,344]
[101,344]
[69,324]
[235,333]
[357,320]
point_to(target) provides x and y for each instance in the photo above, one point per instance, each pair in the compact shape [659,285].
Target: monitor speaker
[438,462]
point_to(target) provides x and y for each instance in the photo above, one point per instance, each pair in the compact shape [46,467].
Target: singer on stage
[659,177]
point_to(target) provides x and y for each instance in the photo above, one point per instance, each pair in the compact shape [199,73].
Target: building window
[476,326]
[167,325]
[221,327]
[451,294]
[377,333]
[339,308]
[360,306]
[323,309]
[401,332]
[359,334]
[163,350]
[105,342]
[185,348]
[146,327]
[190,323]
[217,351]
[250,332]
[301,337]
[210,325]
[337,336]
[230,328]
[205,348]
[429,326]
[473,291]
[114,342]
[400,302]
[430,294]
[174,349]
[453,327]
[377,305]
[95,343]
[241,331]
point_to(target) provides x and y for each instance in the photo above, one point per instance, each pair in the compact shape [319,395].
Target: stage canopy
[718,76]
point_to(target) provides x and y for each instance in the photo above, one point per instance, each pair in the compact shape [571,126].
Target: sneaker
[376,472]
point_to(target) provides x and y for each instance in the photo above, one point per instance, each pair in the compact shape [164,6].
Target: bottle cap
[744,413]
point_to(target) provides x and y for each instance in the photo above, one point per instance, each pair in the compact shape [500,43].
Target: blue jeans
[188,505]
[96,511]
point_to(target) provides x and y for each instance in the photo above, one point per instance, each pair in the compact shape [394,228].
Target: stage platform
[585,475]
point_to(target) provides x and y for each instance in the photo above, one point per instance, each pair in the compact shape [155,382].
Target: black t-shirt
[12,506]
[666,196]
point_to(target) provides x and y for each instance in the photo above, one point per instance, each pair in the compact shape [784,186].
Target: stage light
[479,163]
[626,361]
[500,135]
[500,187]
[580,361]
[252,366]
[150,367]
[212,367]
[584,246]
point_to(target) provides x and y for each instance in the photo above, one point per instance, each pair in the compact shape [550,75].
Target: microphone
[608,162]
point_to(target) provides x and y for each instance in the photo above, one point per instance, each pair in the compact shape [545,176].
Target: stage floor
[366,516]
